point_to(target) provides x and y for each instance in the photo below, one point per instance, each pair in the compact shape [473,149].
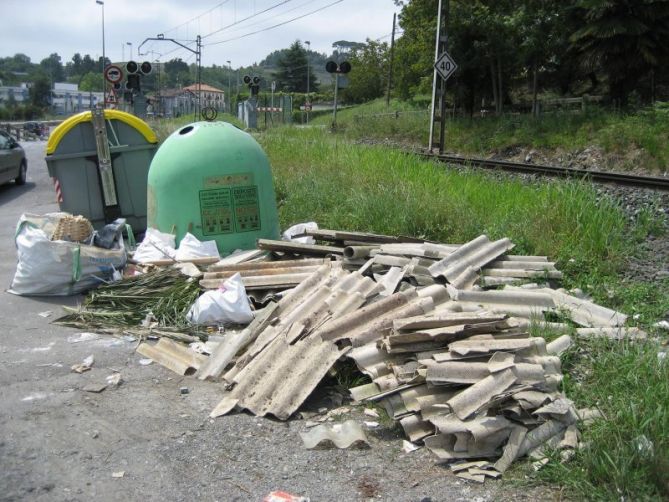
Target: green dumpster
[213,180]
[99,165]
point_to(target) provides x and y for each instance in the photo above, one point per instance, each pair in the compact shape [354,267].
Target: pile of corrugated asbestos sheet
[454,362]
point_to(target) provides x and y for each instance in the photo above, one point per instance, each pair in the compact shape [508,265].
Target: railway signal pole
[198,61]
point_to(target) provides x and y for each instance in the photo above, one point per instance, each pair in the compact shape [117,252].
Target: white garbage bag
[156,246]
[59,268]
[298,229]
[191,247]
[225,305]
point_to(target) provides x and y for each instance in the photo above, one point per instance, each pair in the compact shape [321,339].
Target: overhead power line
[247,18]
[197,17]
[275,25]
[191,42]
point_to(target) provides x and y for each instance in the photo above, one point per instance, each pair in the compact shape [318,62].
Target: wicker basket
[73,229]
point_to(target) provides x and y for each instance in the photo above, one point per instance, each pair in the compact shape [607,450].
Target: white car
[13,163]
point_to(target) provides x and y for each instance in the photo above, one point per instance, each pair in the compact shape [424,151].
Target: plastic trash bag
[155,246]
[225,305]
[298,229]
[110,234]
[191,247]
[59,268]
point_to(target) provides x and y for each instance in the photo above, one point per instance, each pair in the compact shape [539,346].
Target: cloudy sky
[40,27]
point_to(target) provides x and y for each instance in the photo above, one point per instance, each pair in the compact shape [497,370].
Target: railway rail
[650,182]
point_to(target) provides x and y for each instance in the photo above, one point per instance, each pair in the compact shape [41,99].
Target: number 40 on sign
[445,65]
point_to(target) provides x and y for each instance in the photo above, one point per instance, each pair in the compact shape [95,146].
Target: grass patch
[640,138]
[627,453]
[340,185]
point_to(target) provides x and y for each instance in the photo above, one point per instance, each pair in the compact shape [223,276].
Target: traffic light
[133,83]
[145,68]
[253,83]
[131,67]
[134,73]
[343,67]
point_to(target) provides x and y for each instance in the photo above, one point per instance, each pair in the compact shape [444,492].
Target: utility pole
[229,87]
[104,59]
[390,62]
[158,94]
[438,107]
[334,112]
[308,50]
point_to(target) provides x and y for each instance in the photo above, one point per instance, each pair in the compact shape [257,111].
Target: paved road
[58,442]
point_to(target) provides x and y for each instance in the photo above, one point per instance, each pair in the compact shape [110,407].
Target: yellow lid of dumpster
[59,132]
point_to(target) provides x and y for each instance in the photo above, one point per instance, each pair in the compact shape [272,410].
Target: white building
[67,99]
[20,94]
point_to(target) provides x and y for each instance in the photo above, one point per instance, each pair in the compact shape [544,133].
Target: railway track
[650,182]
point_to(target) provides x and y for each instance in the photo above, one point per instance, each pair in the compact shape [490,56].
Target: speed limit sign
[113,74]
[445,65]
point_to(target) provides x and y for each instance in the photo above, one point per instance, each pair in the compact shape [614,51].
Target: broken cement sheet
[587,313]
[173,356]
[473,398]
[512,448]
[341,435]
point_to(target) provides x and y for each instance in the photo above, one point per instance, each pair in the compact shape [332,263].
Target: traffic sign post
[111,97]
[113,74]
[445,65]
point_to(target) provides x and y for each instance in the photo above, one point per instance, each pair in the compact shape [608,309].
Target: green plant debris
[165,294]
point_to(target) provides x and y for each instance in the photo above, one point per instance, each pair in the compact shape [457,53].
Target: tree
[415,48]
[625,39]
[53,67]
[91,81]
[292,71]
[88,64]
[369,68]
[40,91]
[177,73]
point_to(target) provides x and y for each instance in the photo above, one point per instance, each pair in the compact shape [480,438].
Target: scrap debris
[442,330]
[85,365]
[343,435]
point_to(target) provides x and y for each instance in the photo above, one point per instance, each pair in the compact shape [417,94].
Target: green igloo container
[213,180]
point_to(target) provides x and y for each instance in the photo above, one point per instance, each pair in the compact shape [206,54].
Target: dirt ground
[60,443]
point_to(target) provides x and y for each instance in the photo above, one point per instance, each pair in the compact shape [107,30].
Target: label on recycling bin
[216,211]
[224,210]
[247,212]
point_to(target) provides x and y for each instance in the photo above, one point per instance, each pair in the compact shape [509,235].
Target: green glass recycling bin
[83,187]
[213,180]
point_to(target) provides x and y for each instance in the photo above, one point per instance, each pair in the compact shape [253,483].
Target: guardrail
[19,133]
